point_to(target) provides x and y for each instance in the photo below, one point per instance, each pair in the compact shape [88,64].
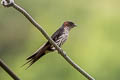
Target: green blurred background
[94,44]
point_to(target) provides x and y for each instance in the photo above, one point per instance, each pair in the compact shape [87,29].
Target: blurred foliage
[94,44]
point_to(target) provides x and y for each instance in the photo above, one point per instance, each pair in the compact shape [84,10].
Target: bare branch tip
[7,3]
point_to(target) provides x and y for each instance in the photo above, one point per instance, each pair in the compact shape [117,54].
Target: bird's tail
[33,58]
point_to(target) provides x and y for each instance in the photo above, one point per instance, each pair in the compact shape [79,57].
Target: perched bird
[59,37]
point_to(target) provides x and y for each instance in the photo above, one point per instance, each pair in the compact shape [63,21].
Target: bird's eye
[71,23]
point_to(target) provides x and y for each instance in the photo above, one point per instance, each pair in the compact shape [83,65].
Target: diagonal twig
[11,3]
[8,70]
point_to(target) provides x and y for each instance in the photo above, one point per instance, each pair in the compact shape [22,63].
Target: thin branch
[5,67]
[62,53]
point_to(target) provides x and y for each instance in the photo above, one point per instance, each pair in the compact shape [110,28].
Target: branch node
[7,3]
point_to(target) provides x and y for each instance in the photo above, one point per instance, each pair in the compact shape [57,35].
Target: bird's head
[69,24]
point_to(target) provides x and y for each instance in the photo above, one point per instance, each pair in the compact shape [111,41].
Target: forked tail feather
[32,59]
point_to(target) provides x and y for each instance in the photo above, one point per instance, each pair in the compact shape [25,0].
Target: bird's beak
[75,25]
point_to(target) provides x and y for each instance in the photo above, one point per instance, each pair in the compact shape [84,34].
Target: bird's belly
[60,41]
